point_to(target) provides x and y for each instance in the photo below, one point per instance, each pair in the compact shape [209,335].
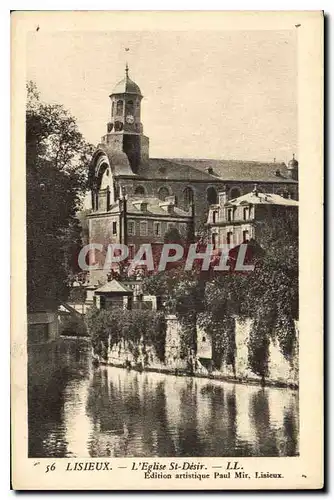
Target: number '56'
[50,467]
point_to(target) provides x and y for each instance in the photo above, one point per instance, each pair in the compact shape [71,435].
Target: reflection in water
[76,410]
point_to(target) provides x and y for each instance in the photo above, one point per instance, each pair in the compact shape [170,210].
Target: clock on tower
[125,129]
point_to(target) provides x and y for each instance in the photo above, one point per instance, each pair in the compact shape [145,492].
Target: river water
[77,410]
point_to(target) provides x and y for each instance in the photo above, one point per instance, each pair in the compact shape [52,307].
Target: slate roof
[113,286]
[126,86]
[224,170]
[164,169]
[153,207]
[118,160]
[262,199]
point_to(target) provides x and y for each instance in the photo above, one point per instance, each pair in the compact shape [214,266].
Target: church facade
[121,167]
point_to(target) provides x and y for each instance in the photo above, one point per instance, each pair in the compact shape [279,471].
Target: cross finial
[126,70]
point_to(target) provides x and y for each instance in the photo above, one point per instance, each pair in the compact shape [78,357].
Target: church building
[180,191]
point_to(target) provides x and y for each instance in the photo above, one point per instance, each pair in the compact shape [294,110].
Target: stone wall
[281,371]
[125,354]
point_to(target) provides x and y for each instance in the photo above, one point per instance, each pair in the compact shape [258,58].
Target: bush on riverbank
[107,328]
[73,325]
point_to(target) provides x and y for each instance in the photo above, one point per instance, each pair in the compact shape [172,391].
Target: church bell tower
[125,130]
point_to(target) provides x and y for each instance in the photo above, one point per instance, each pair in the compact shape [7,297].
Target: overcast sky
[207,94]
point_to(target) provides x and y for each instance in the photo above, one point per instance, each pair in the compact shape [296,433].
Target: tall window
[214,216]
[114,228]
[131,251]
[246,213]
[230,214]
[108,197]
[188,197]
[211,196]
[214,240]
[245,235]
[139,191]
[157,228]
[119,108]
[229,238]
[131,228]
[112,109]
[129,107]
[143,228]
[163,193]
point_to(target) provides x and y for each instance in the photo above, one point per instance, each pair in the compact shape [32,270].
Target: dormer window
[140,205]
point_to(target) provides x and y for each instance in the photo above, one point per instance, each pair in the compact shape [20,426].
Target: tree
[172,235]
[268,296]
[57,159]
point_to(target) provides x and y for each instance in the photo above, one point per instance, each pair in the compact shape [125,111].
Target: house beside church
[236,221]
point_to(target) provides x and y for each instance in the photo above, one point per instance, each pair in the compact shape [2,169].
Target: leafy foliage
[57,159]
[268,296]
[108,327]
[73,325]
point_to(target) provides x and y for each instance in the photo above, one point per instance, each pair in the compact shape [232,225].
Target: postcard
[167,276]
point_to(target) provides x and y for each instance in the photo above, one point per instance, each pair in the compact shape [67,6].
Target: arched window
[163,193]
[119,108]
[235,193]
[139,191]
[129,107]
[102,176]
[188,197]
[211,196]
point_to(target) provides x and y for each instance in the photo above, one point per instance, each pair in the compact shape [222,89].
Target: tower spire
[126,64]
